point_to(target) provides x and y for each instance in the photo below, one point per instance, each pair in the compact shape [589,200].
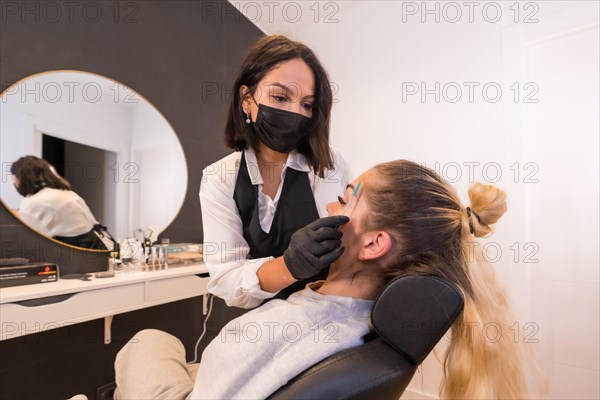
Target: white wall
[545,151]
[95,111]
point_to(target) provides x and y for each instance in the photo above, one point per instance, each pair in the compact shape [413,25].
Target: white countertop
[66,286]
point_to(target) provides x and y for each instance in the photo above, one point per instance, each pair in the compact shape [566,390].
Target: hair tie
[469,212]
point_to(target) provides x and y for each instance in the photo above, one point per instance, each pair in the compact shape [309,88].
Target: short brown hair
[265,55]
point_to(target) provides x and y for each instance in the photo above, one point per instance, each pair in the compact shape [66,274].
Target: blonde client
[404,219]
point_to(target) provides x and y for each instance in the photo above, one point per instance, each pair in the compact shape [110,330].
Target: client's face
[357,210]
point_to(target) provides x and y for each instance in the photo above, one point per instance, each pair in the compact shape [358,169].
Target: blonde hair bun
[488,204]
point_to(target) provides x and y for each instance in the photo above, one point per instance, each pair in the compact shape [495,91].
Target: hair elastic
[469,212]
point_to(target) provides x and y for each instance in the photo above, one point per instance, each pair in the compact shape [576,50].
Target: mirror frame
[126,213]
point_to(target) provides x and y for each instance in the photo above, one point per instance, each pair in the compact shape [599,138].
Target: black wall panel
[173,53]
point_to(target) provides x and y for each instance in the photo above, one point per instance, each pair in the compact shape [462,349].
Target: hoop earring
[248,120]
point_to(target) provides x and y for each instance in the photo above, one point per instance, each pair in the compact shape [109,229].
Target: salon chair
[409,318]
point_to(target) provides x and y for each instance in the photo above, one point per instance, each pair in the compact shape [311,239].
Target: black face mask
[281,130]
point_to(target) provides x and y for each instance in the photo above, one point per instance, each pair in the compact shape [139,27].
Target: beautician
[261,205]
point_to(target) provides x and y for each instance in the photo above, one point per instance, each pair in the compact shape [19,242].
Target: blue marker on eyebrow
[351,198]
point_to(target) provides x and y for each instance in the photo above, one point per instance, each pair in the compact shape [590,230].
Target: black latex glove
[315,246]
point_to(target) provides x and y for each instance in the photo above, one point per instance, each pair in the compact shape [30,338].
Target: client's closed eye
[341,200]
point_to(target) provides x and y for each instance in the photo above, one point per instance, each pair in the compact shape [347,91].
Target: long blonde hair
[434,234]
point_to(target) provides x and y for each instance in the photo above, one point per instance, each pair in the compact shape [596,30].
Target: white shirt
[233,277]
[56,212]
[259,352]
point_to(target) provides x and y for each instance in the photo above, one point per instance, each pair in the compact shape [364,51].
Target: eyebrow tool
[351,198]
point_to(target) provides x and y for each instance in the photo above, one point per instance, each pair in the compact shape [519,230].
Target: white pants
[152,366]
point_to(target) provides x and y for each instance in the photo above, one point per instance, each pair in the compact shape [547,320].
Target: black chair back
[409,318]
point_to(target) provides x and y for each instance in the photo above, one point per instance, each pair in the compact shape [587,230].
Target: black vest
[87,240]
[296,208]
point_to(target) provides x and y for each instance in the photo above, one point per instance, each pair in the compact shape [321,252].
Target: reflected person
[51,207]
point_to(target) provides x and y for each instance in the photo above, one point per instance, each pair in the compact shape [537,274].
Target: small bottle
[166,261]
[165,245]
[153,258]
[118,264]
[161,257]
[112,261]
[146,258]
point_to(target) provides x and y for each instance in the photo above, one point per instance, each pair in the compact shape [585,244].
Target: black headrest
[413,312]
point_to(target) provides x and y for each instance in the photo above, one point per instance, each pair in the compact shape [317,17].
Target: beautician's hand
[315,246]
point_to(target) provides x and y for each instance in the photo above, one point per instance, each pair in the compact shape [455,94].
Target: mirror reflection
[99,154]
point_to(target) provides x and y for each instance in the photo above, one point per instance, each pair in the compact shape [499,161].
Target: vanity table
[31,309]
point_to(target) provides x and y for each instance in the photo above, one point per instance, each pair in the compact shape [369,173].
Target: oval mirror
[117,151]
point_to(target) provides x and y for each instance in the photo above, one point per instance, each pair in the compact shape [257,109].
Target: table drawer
[17,319]
[176,288]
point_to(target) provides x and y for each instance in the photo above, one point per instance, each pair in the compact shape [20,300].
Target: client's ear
[374,244]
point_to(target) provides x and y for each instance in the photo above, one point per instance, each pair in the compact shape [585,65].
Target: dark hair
[265,55]
[34,174]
